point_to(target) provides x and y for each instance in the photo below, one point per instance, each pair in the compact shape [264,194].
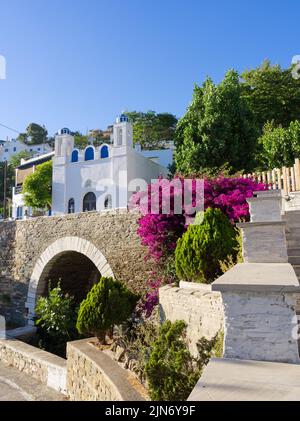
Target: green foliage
[151,130]
[136,336]
[218,129]
[55,313]
[218,347]
[108,303]
[97,137]
[171,370]
[34,135]
[10,180]
[236,257]
[37,187]
[15,160]
[272,93]
[56,320]
[202,247]
[280,145]
[80,140]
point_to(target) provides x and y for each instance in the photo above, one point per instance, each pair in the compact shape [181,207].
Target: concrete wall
[49,369]
[23,242]
[94,376]
[264,242]
[261,326]
[197,305]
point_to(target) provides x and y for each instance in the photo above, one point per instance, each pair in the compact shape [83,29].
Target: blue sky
[78,63]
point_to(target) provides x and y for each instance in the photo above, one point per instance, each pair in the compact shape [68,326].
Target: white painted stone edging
[41,365]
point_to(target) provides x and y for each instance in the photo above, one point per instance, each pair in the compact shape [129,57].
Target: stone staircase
[293,239]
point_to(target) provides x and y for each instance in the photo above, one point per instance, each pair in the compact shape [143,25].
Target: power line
[9,128]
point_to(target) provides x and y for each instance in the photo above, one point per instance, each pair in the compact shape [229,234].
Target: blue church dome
[65,130]
[122,118]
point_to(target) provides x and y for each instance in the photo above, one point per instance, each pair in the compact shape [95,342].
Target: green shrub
[108,303]
[136,336]
[56,320]
[236,257]
[202,247]
[171,370]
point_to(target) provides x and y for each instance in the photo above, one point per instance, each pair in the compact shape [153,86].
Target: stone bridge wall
[23,242]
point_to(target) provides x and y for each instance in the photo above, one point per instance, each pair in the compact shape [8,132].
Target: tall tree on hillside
[218,129]
[34,135]
[151,129]
[280,145]
[272,93]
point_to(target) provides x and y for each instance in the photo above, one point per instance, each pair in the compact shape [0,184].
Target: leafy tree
[34,135]
[171,370]
[108,303]
[80,140]
[10,181]
[218,128]
[272,93]
[37,187]
[280,145]
[55,313]
[55,320]
[150,129]
[203,246]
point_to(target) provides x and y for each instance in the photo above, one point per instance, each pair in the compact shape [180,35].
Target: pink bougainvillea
[230,195]
[150,299]
[159,231]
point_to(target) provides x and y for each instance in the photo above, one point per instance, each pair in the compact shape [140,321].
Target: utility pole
[4,189]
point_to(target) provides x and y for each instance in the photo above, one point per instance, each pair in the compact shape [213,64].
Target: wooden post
[263,177]
[293,180]
[288,180]
[269,178]
[279,179]
[297,173]
[284,180]
[274,179]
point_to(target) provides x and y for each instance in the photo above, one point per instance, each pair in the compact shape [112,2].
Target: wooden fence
[285,178]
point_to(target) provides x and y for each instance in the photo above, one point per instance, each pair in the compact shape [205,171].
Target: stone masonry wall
[201,309]
[22,242]
[48,368]
[94,376]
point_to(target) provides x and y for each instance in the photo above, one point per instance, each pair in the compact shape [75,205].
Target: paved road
[18,386]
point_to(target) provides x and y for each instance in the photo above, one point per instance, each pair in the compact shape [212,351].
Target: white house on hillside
[8,148]
[103,177]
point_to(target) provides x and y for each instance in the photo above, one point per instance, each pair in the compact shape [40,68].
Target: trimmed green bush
[108,303]
[171,370]
[203,246]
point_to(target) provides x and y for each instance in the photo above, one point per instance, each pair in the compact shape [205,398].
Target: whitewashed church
[104,177]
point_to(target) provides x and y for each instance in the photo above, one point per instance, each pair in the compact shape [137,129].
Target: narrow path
[18,386]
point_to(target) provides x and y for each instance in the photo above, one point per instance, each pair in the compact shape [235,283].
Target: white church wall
[164,156]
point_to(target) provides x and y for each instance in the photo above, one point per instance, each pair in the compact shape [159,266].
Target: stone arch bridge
[76,249]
